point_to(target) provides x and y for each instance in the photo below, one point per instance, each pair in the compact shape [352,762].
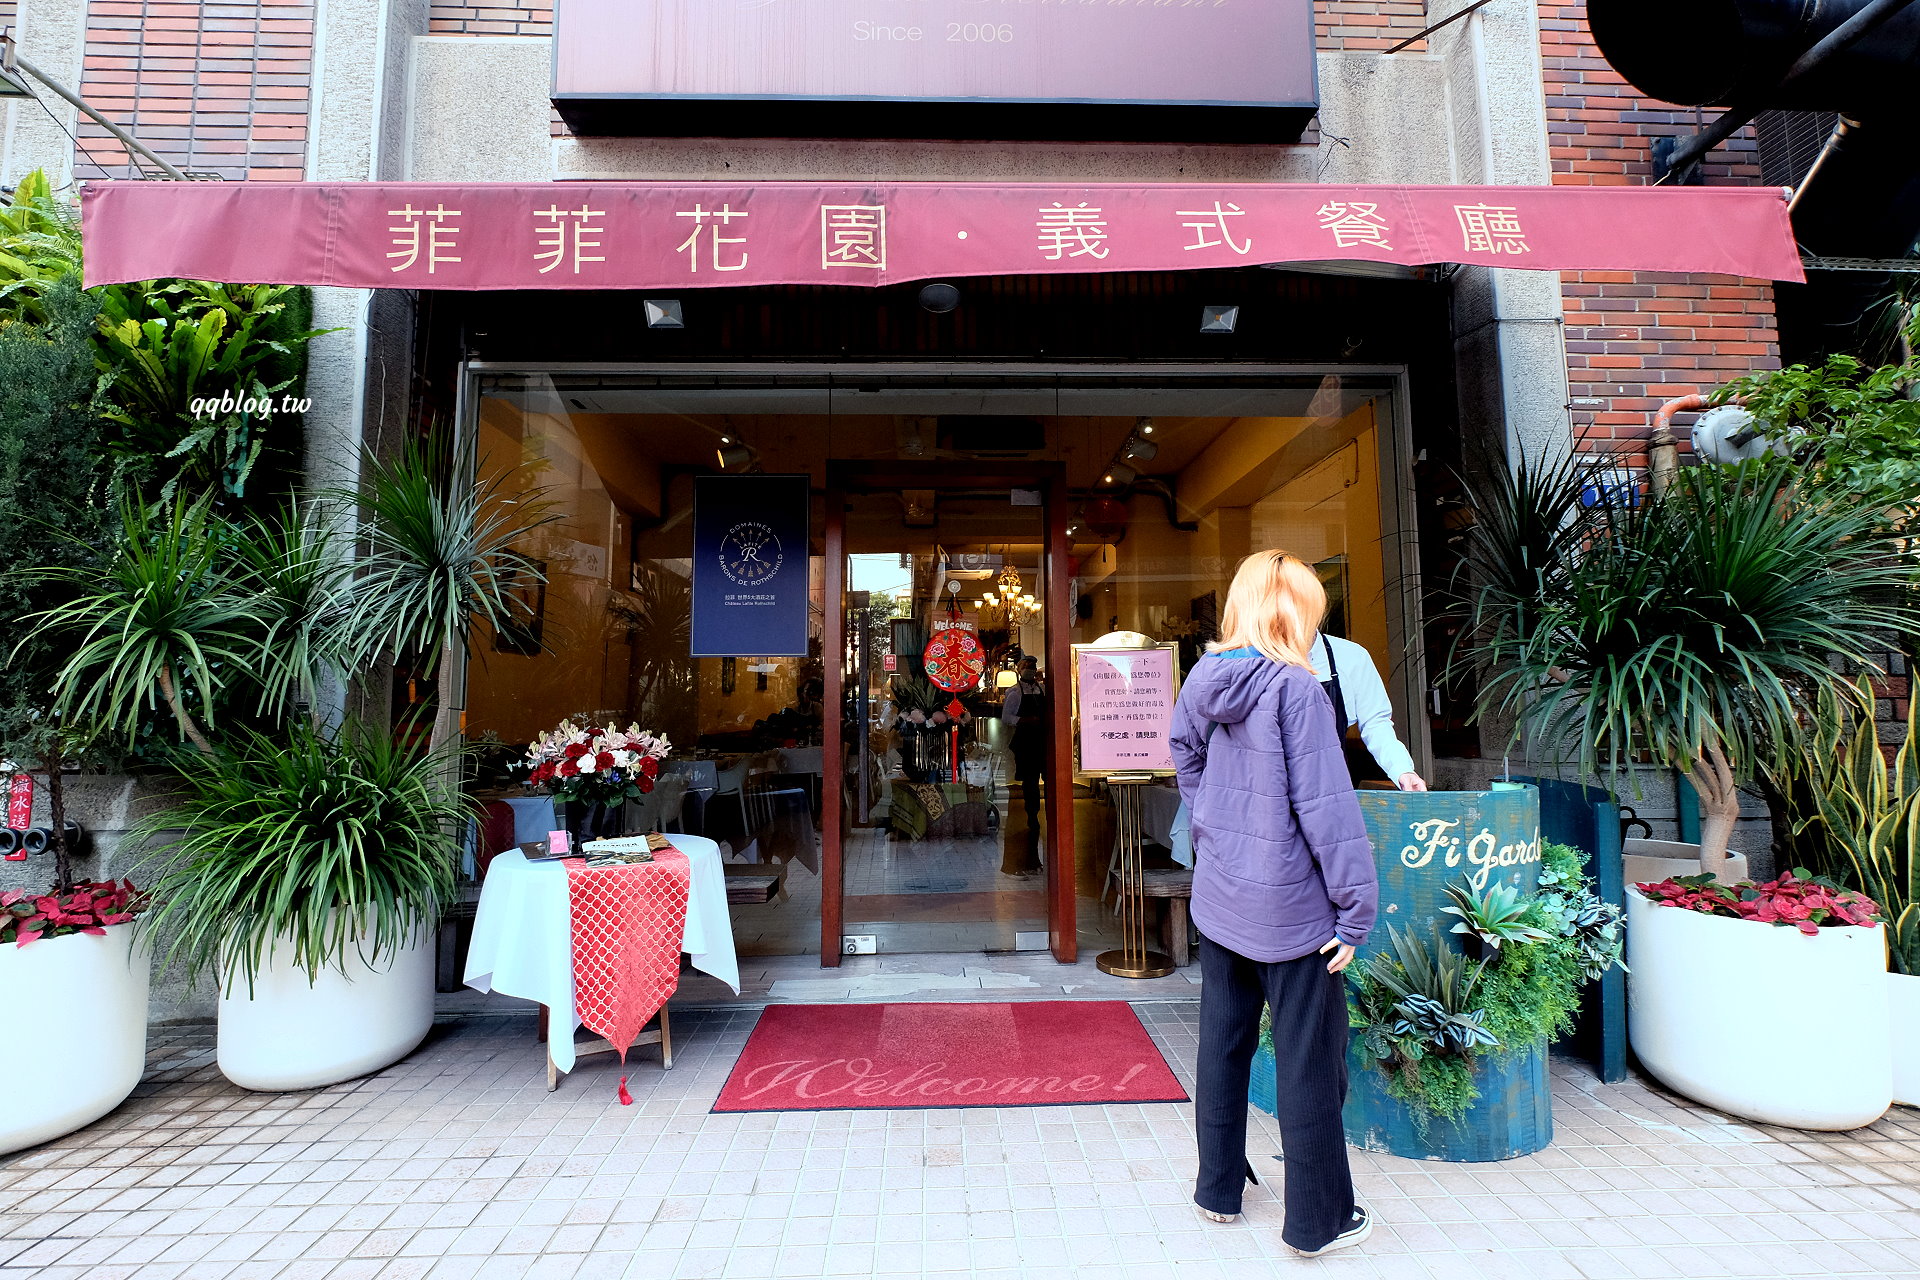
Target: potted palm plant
[1711,628]
[308,869]
[307,866]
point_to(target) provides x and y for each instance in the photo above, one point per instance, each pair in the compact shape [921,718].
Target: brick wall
[213,87]
[478,18]
[1634,340]
[1368,24]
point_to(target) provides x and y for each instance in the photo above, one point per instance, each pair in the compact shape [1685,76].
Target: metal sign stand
[1132,960]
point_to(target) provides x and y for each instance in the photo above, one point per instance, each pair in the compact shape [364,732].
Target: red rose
[575,750]
[646,785]
[569,769]
[650,767]
[604,760]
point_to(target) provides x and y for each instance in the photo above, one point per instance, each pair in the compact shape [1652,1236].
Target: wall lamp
[1219,319]
[664,313]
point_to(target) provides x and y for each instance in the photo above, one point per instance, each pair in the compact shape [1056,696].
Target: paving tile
[457,1165]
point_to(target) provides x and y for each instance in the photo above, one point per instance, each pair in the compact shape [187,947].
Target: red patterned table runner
[628,924]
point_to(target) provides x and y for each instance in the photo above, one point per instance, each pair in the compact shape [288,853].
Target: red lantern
[1107,518]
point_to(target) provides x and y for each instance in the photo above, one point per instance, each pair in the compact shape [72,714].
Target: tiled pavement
[458,1163]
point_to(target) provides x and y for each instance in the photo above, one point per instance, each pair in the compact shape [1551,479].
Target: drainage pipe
[1663,448]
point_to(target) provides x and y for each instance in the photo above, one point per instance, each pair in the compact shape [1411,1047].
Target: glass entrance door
[946,721]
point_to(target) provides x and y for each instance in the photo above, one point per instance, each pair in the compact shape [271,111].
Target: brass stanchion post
[1132,960]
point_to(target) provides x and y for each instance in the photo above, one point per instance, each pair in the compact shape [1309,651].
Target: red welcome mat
[879,1057]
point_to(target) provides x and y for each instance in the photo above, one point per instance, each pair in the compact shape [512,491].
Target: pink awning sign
[653,235]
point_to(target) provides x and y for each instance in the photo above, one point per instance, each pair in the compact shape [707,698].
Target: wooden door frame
[847,478]
[833,656]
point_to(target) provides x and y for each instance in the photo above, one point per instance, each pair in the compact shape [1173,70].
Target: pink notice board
[1123,709]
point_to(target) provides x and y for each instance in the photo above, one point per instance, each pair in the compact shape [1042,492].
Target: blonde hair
[1275,605]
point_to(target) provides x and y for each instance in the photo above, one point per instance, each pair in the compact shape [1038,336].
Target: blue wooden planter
[1422,842]
[1513,1115]
[1261,1086]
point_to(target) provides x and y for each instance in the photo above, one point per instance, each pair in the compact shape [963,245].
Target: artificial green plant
[1425,1012]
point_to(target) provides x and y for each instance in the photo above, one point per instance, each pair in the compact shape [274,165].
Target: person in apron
[1029,710]
[1352,683]
[1359,697]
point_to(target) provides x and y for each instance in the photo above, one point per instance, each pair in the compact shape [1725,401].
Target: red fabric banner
[20,800]
[653,235]
[628,924]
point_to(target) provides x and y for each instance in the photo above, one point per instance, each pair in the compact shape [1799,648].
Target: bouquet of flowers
[584,765]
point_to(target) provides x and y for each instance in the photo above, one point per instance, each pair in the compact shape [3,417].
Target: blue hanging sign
[750,568]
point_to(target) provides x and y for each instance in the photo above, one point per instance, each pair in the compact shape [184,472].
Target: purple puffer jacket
[1281,858]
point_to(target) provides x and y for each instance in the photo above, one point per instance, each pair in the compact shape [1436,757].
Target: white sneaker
[1361,1228]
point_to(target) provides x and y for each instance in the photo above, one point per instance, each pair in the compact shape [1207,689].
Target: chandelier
[1011,598]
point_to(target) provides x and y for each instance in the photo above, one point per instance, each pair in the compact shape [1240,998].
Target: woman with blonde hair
[1284,890]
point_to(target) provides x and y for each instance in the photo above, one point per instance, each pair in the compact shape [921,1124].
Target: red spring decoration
[1798,898]
[954,660]
[25,917]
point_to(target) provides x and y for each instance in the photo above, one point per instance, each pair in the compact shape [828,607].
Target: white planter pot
[1717,1010]
[77,1009]
[292,1032]
[1903,1004]
[1650,861]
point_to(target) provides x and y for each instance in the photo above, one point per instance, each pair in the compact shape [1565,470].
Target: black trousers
[1310,1052]
[1029,769]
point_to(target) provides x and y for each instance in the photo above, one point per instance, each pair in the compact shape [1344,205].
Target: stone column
[51,34]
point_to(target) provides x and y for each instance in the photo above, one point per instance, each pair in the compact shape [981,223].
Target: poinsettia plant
[1799,898]
[89,908]
[581,764]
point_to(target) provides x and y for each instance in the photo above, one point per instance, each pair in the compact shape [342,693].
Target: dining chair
[670,797]
[732,782]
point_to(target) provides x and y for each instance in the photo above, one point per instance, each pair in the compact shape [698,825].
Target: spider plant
[440,554]
[1710,626]
[299,569]
[329,843]
[167,618]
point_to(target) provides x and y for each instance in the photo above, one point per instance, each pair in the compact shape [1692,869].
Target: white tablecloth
[523,934]
[801,759]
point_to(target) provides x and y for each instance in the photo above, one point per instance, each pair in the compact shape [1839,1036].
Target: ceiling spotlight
[664,313]
[1139,450]
[1120,473]
[1219,319]
[939,298]
[1143,425]
[734,456]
